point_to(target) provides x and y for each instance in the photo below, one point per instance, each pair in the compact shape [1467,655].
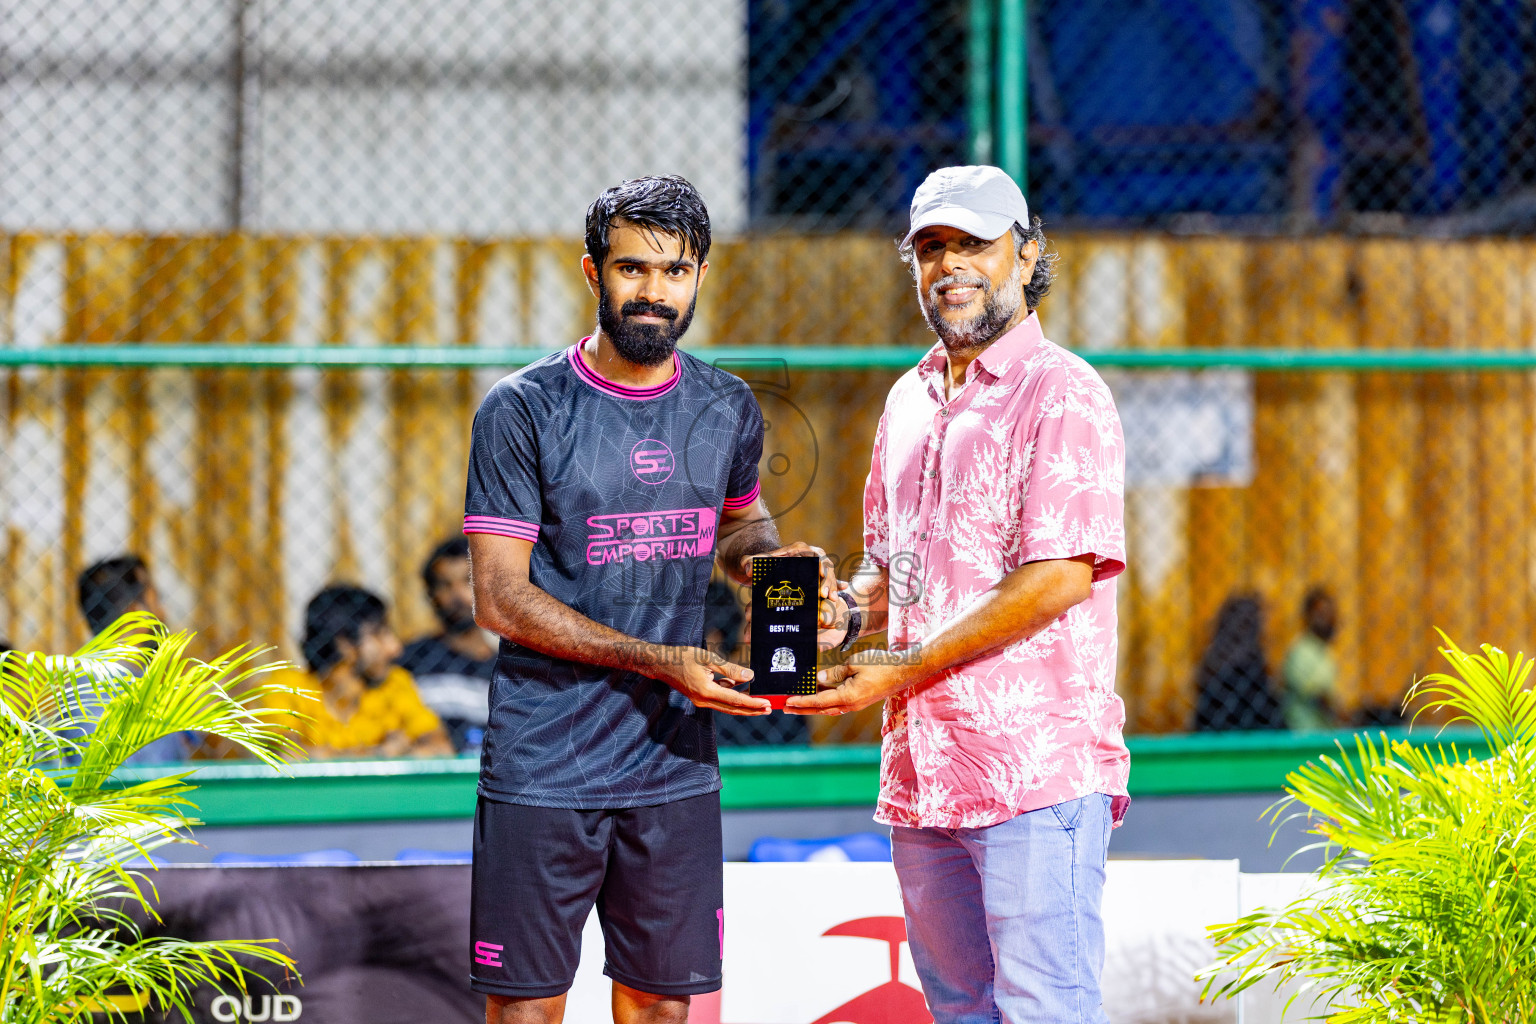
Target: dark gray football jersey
[621,491]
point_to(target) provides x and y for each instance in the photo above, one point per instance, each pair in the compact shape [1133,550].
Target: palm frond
[1488,691]
[68,827]
[174,693]
[1423,909]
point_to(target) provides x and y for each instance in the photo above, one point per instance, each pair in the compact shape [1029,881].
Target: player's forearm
[740,540]
[528,616]
[1022,604]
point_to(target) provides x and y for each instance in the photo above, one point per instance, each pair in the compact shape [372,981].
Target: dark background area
[1205,114]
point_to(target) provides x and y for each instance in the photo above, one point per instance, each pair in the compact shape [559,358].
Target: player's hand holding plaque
[784,603]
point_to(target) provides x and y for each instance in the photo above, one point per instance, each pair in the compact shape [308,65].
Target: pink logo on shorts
[488,953]
[652,461]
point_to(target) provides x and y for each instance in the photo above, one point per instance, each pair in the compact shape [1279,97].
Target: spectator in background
[453,667]
[1233,680]
[723,620]
[108,590]
[358,702]
[1310,671]
[114,587]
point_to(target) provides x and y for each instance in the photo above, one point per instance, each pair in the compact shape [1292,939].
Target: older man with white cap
[994,527]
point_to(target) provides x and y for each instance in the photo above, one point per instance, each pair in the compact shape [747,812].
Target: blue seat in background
[416,855]
[858,846]
[311,857]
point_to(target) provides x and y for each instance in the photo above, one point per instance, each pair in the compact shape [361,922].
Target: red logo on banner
[891,1003]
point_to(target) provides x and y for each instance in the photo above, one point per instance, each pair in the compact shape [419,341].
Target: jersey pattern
[621,491]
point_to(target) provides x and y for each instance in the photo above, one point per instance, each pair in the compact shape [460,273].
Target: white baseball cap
[981,200]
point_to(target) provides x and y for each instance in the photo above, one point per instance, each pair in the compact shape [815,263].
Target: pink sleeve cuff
[745,499]
[502,527]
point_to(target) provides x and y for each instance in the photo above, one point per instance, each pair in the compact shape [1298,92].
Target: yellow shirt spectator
[391,707]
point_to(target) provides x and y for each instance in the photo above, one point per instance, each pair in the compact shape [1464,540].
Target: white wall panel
[467,117]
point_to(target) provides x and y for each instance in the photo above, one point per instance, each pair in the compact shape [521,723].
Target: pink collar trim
[609,387]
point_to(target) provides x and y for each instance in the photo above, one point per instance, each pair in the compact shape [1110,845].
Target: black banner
[376,944]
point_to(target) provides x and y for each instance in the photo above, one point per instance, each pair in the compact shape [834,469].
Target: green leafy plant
[1426,907]
[68,830]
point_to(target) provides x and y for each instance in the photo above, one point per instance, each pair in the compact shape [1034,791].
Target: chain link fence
[1343,177]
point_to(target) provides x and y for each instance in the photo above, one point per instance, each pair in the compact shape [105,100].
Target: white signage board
[1184,429]
[822,944]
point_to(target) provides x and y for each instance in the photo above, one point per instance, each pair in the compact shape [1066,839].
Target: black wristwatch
[855,620]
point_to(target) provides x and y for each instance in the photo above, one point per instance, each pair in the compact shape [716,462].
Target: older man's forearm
[1022,604]
[871,587]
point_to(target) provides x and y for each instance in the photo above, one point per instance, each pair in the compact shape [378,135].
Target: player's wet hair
[108,588]
[335,612]
[666,203]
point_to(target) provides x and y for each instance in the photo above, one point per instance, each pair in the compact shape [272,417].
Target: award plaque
[784,602]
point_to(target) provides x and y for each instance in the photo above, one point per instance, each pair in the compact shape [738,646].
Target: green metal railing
[263,356]
[231,793]
[998,54]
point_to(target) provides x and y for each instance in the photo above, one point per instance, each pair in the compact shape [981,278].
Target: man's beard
[456,618]
[974,332]
[643,344]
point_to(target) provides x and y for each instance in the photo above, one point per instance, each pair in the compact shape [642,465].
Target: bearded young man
[453,667]
[605,481]
[994,527]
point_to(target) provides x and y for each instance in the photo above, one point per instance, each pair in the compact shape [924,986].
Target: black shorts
[654,874]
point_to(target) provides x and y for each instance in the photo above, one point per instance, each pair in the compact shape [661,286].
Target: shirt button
[944,411]
[922,536]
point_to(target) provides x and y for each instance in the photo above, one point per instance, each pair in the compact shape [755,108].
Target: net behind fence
[479,118]
[1405,495]
[357,173]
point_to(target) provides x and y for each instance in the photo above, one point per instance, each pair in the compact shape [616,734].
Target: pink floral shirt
[1026,463]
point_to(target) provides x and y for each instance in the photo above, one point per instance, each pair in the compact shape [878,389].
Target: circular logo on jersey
[652,461]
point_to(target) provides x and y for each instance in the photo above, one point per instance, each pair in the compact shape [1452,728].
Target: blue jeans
[1004,921]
